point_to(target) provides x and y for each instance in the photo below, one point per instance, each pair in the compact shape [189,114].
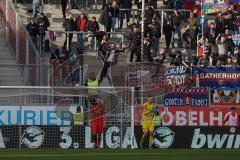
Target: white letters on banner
[34,115]
[66,139]
[110,140]
[214,140]
[2,144]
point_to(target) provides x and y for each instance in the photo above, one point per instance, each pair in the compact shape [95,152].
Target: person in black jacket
[64,7]
[43,24]
[146,51]
[33,30]
[106,18]
[155,35]
[176,59]
[115,12]
[111,59]
[149,13]
[168,30]
[176,23]
[93,27]
[211,34]
[135,38]
[69,25]
[125,4]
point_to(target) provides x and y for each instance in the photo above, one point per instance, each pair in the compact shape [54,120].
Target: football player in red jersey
[97,113]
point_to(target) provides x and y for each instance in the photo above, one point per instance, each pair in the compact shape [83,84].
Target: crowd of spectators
[188,42]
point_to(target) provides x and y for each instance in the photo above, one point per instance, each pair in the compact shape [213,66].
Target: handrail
[27,34]
[76,32]
[157,9]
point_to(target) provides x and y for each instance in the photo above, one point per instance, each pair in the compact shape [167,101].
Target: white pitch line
[89,154]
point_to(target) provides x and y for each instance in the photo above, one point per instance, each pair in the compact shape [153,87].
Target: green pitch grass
[104,154]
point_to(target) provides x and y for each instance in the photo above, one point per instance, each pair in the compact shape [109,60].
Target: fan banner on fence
[218,76]
[78,137]
[225,96]
[194,97]
[148,76]
[236,37]
[189,116]
[215,8]
[177,75]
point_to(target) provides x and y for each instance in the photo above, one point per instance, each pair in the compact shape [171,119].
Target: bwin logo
[163,137]
[32,137]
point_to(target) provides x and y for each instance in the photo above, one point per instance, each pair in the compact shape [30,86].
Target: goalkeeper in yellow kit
[147,121]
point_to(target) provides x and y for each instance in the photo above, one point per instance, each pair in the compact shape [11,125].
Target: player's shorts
[147,127]
[97,127]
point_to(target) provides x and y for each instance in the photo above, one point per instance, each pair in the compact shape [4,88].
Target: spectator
[37,7]
[222,46]
[69,26]
[125,4]
[135,38]
[81,24]
[187,57]
[176,23]
[56,62]
[74,4]
[146,51]
[220,23]
[160,57]
[84,4]
[106,3]
[110,60]
[64,7]
[230,62]
[229,22]
[168,30]
[155,35]
[176,59]
[178,4]
[203,46]
[92,27]
[149,13]
[213,56]
[192,31]
[229,41]
[106,19]
[203,61]
[101,48]
[211,34]
[43,24]
[33,31]
[114,11]
[159,60]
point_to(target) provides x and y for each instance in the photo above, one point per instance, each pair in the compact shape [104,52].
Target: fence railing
[87,41]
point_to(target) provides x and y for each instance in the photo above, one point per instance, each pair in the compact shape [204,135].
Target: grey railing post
[17,38]
[7,21]
[68,48]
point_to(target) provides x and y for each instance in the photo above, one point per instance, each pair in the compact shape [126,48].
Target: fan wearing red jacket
[97,113]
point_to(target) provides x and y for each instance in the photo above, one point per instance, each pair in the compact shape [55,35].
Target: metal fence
[18,39]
